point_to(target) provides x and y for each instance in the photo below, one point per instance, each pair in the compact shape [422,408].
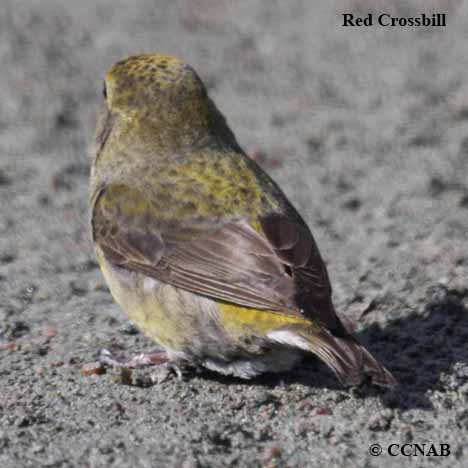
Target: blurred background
[366,130]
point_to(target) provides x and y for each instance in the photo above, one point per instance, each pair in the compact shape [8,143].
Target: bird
[199,245]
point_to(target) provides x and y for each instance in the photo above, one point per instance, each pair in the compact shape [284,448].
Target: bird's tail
[349,359]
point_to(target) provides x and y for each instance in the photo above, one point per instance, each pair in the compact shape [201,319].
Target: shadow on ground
[423,347]
[419,349]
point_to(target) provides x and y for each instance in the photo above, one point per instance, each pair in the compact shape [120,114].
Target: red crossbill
[198,244]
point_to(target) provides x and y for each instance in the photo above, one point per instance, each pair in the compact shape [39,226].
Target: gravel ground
[366,129]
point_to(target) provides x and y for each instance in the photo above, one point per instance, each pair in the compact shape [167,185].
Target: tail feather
[346,357]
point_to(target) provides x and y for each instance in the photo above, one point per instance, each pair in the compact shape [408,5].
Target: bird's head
[151,82]
[159,104]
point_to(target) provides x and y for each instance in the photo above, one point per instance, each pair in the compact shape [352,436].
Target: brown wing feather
[281,271]
[230,262]
[296,247]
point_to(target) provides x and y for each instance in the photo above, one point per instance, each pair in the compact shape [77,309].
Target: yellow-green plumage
[197,243]
[211,184]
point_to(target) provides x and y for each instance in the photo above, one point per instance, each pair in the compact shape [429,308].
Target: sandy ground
[367,131]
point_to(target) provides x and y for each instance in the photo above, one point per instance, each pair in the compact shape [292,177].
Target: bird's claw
[158,359]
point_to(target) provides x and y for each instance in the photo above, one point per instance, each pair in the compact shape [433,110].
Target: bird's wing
[227,261]
[295,246]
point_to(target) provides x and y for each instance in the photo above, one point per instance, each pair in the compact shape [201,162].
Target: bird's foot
[159,359]
[136,362]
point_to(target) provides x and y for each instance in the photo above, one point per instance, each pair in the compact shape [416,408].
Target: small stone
[49,331]
[272,456]
[57,363]
[10,345]
[275,451]
[41,295]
